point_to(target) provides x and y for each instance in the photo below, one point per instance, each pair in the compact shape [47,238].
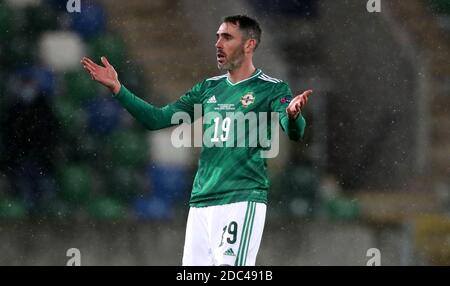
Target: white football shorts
[224,235]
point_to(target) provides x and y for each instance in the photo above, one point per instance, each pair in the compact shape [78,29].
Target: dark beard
[235,60]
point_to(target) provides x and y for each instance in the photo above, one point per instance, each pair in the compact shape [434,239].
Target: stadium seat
[70,115]
[79,87]
[106,209]
[153,208]
[11,49]
[169,182]
[127,148]
[57,5]
[110,45]
[124,183]
[12,209]
[91,21]
[6,22]
[440,6]
[103,115]
[76,184]
[135,78]
[342,209]
[24,3]
[18,52]
[62,51]
[43,78]
[39,19]
[169,185]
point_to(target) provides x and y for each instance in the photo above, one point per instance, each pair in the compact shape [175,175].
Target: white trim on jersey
[275,79]
[268,78]
[244,80]
[217,77]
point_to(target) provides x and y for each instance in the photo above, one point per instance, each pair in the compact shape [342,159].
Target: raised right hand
[105,75]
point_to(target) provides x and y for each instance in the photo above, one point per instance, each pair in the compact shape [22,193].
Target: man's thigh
[236,230]
[197,250]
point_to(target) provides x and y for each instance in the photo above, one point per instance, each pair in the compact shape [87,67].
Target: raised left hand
[296,105]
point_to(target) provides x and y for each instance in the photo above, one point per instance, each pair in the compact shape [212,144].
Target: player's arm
[296,123]
[152,117]
[291,120]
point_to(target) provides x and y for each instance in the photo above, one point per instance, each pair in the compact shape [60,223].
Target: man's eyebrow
[224,34]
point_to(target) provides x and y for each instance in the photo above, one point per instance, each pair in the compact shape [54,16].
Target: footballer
[229,194]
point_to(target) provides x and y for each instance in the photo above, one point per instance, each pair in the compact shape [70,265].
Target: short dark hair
[248,26]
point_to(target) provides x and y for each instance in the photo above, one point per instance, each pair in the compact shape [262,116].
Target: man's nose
[219,43]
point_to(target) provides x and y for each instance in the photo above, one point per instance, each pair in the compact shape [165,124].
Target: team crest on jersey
[247,99]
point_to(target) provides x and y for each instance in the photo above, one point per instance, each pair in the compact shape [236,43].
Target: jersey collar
[257,72]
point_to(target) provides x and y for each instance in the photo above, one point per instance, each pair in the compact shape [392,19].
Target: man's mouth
[220,57]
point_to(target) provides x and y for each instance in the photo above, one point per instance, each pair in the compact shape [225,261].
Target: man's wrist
[294,117]
[116,88]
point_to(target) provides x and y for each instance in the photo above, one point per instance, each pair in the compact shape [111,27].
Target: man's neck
[243,72]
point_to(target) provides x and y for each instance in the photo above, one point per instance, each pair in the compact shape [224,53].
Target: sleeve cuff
[121,92]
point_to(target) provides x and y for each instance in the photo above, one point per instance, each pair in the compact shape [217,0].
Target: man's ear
[250,44]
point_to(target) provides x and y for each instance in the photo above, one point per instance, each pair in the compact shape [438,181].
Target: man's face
[229,47]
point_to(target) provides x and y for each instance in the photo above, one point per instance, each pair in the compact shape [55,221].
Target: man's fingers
[90,69]
[88,61]
[307,93]
[89,65]
[294,108]
[105,62]
[304,100]
[300,99]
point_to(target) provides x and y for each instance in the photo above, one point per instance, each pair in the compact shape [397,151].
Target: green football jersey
[231,168]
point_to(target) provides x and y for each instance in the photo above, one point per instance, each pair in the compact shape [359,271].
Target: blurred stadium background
[373,171]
